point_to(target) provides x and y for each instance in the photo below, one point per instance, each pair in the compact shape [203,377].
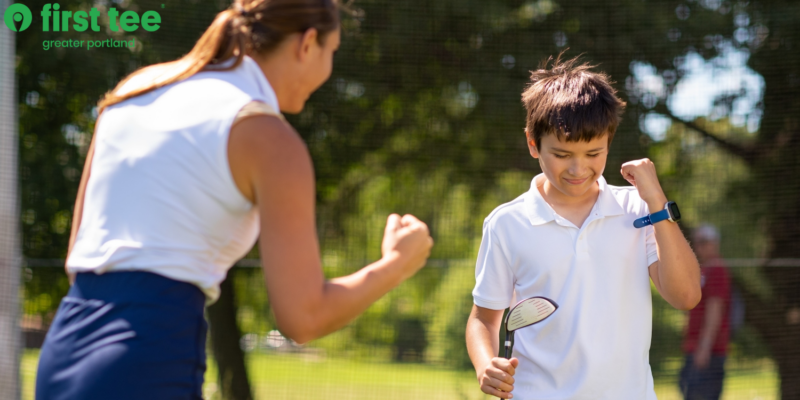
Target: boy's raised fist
[642,175]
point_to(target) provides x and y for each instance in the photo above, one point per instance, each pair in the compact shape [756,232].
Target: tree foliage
[423,115]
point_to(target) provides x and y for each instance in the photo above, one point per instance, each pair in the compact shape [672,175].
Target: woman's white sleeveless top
[161,197]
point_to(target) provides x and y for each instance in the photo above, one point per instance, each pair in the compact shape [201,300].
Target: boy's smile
[572,168]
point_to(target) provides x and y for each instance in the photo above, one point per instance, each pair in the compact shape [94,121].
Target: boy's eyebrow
[567,151]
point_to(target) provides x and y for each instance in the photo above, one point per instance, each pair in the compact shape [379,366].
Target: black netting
[422,115]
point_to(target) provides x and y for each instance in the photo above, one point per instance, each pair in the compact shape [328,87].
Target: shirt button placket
[582,246]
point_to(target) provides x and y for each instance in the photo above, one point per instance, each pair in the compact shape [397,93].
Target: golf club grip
[508,345]
[509,337]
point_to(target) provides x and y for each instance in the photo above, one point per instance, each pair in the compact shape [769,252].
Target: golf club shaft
[509,339]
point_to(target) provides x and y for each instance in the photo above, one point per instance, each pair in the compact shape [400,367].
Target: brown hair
[249,25]
[570,101]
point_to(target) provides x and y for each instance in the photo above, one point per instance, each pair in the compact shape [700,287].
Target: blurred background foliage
[422,115]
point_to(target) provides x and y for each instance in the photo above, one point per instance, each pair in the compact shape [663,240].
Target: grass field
[290,377]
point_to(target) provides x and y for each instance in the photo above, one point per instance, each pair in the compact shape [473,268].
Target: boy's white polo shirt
[596,345]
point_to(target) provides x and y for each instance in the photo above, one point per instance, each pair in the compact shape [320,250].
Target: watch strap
[651,219]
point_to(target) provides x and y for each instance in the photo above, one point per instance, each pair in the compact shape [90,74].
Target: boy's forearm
[482,341]
[677,273]
[678,269]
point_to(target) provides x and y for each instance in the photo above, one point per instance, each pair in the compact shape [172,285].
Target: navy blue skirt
[125,335]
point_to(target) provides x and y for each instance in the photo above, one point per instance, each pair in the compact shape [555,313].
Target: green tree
[452,71]
[425,89]
[766,196]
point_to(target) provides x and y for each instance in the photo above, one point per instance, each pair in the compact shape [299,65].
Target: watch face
[673,210]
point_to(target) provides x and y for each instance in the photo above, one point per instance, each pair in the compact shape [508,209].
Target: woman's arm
[271,166]
[77,213]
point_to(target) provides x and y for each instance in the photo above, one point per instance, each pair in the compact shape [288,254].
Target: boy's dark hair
[570,101]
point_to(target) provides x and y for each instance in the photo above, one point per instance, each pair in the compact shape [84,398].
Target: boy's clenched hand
[642,175]
[497,378]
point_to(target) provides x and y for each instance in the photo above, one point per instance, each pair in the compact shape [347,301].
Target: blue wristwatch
[669,213]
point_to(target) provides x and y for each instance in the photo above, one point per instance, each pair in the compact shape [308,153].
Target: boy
[571,238]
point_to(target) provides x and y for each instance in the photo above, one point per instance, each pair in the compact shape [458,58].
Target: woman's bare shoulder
[265,151]
[254,109]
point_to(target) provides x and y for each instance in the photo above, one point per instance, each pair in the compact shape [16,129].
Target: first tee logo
[18,17]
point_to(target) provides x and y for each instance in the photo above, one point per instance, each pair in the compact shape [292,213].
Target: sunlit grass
[755,385]
[293,376]
[30,360]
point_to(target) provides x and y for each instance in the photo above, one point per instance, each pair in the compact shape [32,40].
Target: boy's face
[571,167]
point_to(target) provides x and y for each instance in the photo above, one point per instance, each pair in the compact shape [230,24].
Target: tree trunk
[772,317]
[782,331]
[783,339]
[785,281]
[788,360]
[225,339]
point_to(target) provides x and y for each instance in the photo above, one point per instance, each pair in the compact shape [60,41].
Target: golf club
[526,313]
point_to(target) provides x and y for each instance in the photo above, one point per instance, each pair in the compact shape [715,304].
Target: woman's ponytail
[234,32]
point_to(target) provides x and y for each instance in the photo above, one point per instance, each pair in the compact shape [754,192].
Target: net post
[10,255]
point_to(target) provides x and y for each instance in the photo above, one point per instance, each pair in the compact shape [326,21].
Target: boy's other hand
[642,175]
[497,378]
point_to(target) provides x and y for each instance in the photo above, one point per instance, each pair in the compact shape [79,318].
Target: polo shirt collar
[607,204]
[540,212]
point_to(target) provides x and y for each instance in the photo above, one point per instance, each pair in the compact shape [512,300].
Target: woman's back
[161,197]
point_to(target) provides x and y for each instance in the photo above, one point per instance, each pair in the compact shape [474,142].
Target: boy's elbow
[688,300]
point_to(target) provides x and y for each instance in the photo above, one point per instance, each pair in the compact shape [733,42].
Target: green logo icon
[18,17]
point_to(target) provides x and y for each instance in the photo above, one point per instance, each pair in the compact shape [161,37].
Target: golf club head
[529,311]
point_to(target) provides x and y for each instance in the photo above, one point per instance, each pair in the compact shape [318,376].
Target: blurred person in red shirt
[705,343]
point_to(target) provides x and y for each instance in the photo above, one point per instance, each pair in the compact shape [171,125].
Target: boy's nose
[577,169]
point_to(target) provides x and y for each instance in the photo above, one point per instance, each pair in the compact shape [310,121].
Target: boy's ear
[532,146]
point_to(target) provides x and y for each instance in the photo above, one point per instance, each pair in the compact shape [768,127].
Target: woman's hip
[125,335]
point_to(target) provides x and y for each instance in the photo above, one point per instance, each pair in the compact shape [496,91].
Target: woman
[190,163]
